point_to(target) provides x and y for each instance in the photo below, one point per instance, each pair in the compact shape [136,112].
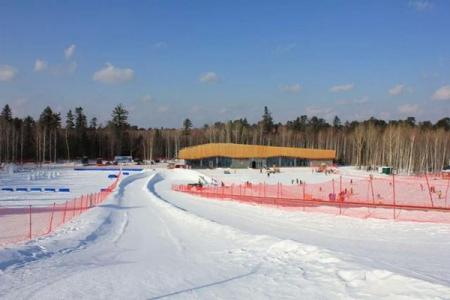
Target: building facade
[253,156]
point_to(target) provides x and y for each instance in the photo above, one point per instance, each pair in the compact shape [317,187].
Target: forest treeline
[404,144]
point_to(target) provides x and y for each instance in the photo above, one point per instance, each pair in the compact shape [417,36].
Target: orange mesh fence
[419,198]
[27,222]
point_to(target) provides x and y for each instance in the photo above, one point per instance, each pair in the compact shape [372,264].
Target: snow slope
[147,242]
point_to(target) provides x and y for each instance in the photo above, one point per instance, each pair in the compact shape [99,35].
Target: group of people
[297,181]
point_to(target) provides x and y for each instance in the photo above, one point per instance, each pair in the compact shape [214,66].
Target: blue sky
[220,60]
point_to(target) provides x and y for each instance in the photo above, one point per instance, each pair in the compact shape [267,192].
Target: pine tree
[187,125]
[267,121]
[119,125]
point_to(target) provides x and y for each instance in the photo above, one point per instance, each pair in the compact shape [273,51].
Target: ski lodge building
[229,155]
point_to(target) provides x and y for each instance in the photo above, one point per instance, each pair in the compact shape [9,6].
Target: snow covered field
[79,182]
[149,242]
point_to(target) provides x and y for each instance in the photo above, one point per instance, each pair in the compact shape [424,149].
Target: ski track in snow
[147,242]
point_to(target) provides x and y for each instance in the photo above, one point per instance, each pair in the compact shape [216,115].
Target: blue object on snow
[35,189]
[50,189]
[65,190]
[21,189]
[126,173]
[112,176]
[7,189]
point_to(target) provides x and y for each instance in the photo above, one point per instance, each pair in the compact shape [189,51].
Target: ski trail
[139,245]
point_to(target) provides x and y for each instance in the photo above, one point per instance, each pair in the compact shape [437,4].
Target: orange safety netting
[27,222]
[422,199]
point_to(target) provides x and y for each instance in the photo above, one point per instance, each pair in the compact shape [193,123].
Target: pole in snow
[29,232]
[51,218]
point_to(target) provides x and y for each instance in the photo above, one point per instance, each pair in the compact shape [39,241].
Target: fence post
[371,187]
[51,218]
[446,192]
[304,191]
[429,190]
[393,193]
[64,215]
[334,190]
[29,230]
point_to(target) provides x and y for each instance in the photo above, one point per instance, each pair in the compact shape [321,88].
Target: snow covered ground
[53,176]
[149,242]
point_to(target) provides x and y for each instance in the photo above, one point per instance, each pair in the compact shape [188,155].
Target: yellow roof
[252,151]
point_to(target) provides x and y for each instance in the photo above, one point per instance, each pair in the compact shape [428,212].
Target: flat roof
[252,151]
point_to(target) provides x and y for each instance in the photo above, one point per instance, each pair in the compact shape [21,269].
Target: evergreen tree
[82,144]
[267,121]
[6,113]
[80,119]
[187,125]
[337,122]
[119,125]
[120,117]
[70,124]
[93,123]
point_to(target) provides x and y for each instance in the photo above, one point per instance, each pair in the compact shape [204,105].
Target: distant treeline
[404,144]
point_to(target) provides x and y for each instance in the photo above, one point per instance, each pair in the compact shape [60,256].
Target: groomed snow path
[140,246]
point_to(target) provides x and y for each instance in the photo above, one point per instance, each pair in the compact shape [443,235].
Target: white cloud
[280,49]
[325,112]
[21,106]
[384,115]
[110,74]
[342,88]
[40,65]
[360,100]
[72,67]
[397,90]
[420,5]
[408,109]
[147,99]
[69,51]
[209,77]
[195,109]
[291,88]
[63,69]
[163,108]
[7,73]
[223,110]
[442,93]
[160,45]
